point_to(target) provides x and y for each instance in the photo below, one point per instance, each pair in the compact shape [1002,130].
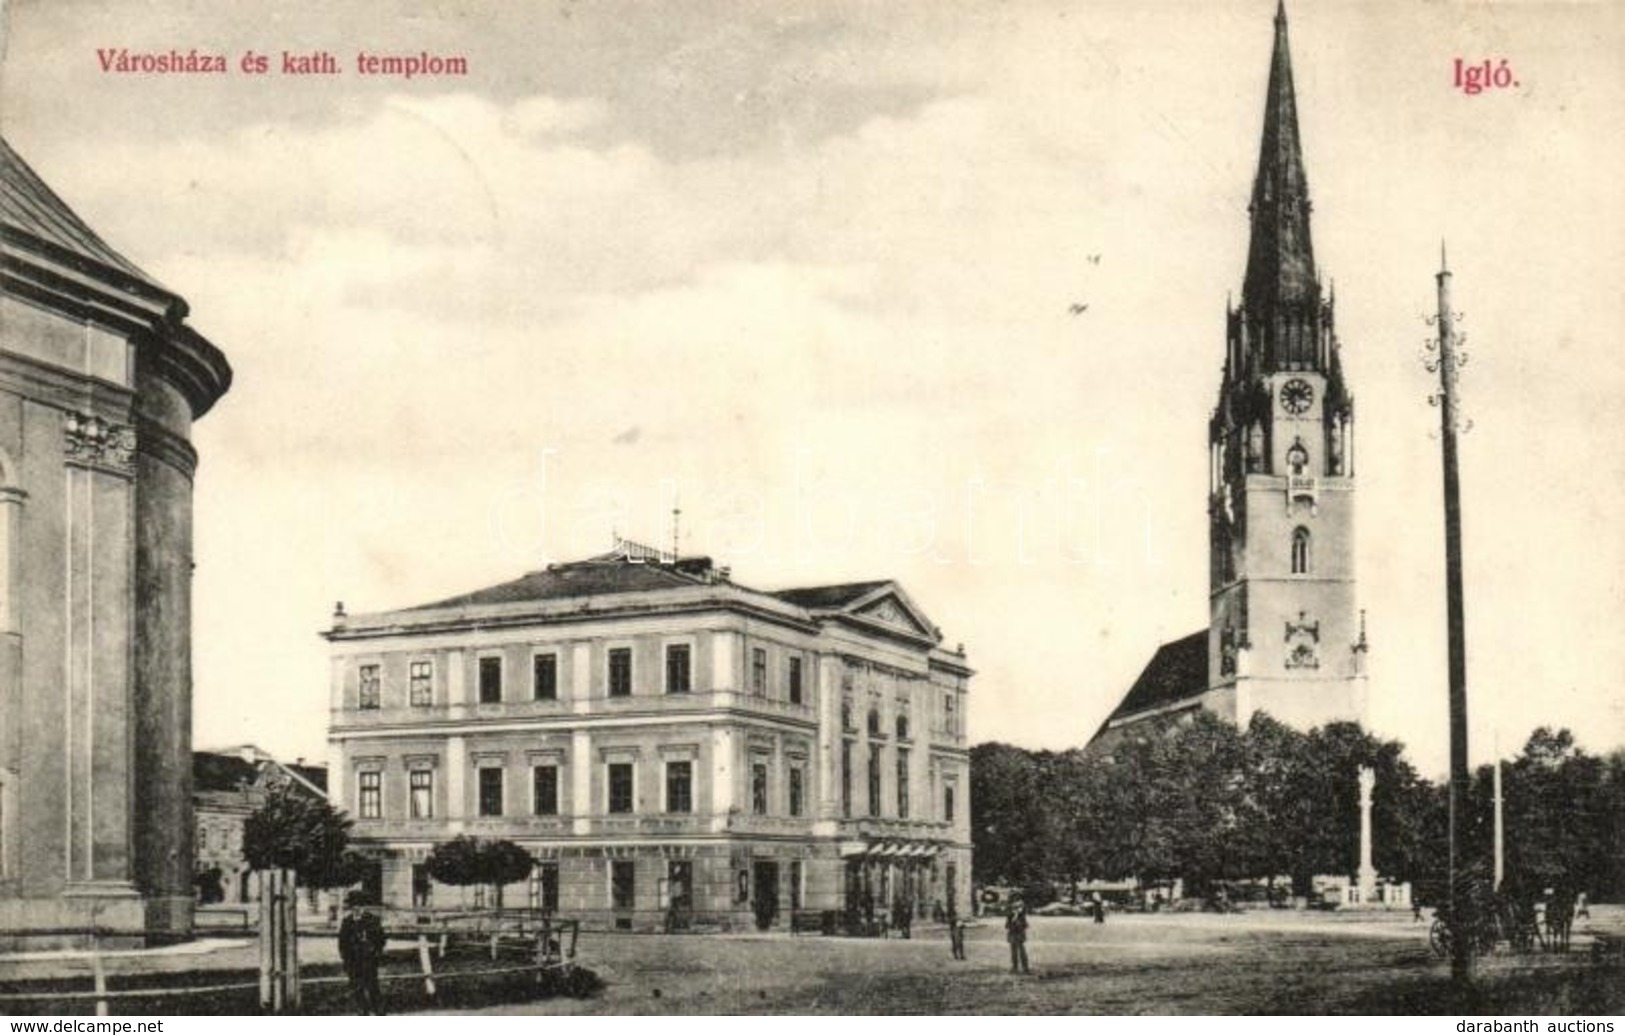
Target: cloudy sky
[805,269]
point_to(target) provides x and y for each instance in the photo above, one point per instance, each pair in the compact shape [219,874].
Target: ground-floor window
[622,886]
[679,894]
[422,886]
[795,884]
[544,887]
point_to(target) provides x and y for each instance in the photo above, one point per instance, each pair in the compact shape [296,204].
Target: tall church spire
[1281,259]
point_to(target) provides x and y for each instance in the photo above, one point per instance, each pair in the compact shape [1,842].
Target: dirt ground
[1250,963]
[1172,964]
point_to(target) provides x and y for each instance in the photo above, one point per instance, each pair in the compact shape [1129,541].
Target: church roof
[1178,670]
[28,206]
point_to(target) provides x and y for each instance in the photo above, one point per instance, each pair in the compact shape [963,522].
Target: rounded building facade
[100,381]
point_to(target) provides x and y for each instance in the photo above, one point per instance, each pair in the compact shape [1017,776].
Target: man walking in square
[956,931]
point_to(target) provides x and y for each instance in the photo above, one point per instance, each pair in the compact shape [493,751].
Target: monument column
[1368,872]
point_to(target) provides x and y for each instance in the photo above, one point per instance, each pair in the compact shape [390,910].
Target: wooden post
[267,894]
[98,972]
[427,966]
[279,942]
[290,972]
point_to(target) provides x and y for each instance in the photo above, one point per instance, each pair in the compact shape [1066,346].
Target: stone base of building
[170,917]
[71,917]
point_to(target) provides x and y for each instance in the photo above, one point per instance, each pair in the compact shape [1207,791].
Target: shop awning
[889,850]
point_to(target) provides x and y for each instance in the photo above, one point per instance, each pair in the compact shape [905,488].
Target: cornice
[110,275]
[62,389]
[44,275]
[540,616]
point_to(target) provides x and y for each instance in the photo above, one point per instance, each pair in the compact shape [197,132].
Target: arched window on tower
[1300,551]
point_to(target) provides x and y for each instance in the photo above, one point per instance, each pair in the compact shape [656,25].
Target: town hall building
[1285,635]
[675,750]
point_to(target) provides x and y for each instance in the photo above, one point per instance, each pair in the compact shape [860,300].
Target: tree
[463,861]
[1008,805]
[295,831]
[1563,814]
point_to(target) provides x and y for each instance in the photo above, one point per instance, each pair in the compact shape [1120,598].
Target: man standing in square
[361,947]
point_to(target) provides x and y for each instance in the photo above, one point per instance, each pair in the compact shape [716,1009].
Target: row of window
[950,719]
[900,783]
[545,677]
[543,885]
[619,782]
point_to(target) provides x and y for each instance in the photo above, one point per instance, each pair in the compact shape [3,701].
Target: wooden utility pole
[1462,915]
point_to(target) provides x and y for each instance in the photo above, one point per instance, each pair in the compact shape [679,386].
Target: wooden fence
[548,944]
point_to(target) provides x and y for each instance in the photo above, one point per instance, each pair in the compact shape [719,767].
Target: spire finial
[1280,11]
[1444,266]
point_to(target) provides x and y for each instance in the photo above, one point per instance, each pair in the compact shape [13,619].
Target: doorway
[680,889]
[372,882]
[765,877]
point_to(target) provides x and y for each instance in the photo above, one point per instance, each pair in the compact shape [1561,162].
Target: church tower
[1285,636]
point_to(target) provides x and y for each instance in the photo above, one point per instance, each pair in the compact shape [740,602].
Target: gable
[891,610]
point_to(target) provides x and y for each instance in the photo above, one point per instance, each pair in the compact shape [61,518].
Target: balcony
[903,829]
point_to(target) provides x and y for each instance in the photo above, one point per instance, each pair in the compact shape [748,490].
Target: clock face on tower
[1297,395]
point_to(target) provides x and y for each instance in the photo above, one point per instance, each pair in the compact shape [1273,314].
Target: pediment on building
[878,606]
[891,607]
